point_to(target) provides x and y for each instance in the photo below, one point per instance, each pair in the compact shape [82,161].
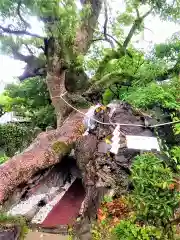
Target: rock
[10,233]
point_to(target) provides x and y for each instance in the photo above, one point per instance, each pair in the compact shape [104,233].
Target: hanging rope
[111,123]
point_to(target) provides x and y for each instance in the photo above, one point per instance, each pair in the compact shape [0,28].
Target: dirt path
[44,236]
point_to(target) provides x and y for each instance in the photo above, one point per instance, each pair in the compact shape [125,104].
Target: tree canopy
[88,37]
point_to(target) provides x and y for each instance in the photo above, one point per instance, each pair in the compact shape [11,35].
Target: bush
[127,230]
[15,137]
[44,117]
[154,196]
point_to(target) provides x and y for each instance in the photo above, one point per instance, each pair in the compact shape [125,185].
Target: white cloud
[9,69]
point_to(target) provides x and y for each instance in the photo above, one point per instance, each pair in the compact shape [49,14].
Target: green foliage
[115,91]
[153,197]
[3,158]
[30,99]
[165,94]
[32,92]
[5,103]
[15,137]
[107,199]
[168,50]
[128,230]
[146,97]
[60,19]
[101,231]
[175,155]
[176,126]
[43,117]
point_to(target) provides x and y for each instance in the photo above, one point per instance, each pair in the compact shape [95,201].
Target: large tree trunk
[56,60]
[56,80]
[56,86]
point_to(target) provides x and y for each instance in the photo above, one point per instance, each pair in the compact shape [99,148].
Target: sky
[159,32]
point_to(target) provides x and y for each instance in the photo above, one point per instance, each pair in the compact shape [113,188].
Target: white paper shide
[115,140]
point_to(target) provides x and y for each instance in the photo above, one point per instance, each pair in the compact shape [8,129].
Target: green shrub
[148,96]
[15,137]
[153,197]
[3,158]
[43,117]
[127,230]
[145,97]
[175,155]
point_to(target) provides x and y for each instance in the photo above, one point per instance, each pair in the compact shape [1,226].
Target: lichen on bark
[61,148]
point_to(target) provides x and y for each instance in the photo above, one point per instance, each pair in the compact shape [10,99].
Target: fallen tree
[47,149]
[100,168]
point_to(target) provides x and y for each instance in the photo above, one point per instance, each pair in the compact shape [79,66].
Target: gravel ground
[45,236]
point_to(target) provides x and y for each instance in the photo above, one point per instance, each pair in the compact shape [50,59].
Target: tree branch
[137,12]
[27,25]
[105,25]
[28,48]
[19,56]
[110,36]
[130,34]
[115,40]
[30,74]
[34,66]
[99,39]
[19,32]
[135,26]
[115,94]
[168,73]
[146,14]
[84,35]
[104,39]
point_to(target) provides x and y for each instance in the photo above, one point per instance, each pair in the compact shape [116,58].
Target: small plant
[3,159]
[107,199]
[128,230]
[101,231]
[176,126]
[154,197]
[175,153]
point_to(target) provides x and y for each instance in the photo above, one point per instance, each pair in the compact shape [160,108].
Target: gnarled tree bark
[56,61]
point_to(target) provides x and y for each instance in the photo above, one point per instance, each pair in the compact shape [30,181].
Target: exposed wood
[41,154]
